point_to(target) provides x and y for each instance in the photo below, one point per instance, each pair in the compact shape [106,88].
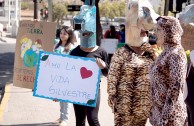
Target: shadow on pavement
[8,35]
[1,39]
[7,58]
[6,71]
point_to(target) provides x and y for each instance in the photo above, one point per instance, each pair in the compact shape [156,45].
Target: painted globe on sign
[30,58]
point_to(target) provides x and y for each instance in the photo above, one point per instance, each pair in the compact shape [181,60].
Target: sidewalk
[20,108]
[7,39]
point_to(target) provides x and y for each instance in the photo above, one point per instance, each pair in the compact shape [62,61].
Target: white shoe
[63,123]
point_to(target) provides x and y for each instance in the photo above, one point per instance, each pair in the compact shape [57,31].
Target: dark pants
[91,112]
[190,98]
[109,57]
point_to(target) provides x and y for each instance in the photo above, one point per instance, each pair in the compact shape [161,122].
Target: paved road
[7,49]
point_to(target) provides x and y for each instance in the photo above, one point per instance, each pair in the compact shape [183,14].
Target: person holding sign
[64,46]
[85,23]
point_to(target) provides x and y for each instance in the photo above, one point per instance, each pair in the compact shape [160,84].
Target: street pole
[166,8]
[35,9]
[19,18]
[50,8]
[16,10]
[9,13]
[15,24]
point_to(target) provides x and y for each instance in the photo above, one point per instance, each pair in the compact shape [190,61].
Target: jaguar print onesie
[167,76]
[129,86]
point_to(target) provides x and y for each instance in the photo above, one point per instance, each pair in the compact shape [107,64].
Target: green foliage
[24,5]
[121,8]
[104,9]
[112,9]
[59,10]
[188,55]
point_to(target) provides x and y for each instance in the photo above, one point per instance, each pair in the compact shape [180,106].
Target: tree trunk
[98,25]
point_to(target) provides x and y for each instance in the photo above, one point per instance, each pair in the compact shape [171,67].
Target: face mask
[139,16]
[144,39]
[88,41]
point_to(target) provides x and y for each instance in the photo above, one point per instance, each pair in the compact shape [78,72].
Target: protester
[122,33]
[128,77]
[88,48]
[112,34]
[128,84]
[101,57]
[64,46]
[190,90]
[167,75]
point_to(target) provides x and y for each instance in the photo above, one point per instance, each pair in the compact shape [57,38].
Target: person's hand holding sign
[101,64]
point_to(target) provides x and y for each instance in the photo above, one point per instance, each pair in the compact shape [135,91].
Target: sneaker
[63,123]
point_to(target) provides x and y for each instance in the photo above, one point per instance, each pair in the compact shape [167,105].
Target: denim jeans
[65,109]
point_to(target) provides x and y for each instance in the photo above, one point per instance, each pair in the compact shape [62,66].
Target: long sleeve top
[99,53]
[168,77]
[128,82]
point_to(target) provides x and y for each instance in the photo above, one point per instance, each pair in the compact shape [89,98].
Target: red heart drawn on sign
[85,73]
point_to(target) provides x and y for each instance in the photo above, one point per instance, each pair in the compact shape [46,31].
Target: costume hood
[172,30]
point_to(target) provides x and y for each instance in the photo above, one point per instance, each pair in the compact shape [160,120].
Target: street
[7,47]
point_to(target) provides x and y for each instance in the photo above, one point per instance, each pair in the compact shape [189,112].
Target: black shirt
[99,53]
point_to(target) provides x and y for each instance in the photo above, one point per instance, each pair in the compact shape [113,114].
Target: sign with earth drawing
[67,78]
[32,37]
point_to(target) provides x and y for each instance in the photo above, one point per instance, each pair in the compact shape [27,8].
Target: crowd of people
[141,85]
[113,34]
[151,87]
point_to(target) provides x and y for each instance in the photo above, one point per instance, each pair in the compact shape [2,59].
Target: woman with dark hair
[112,33]
[66,42]
[65,45]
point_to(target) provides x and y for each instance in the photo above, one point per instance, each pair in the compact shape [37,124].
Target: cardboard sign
[67,78]
[110,45]
[32,37]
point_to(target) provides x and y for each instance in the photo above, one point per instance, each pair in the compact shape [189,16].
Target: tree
[121,7]
[24,5]
[112,9]
[104,9]
[59,11]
